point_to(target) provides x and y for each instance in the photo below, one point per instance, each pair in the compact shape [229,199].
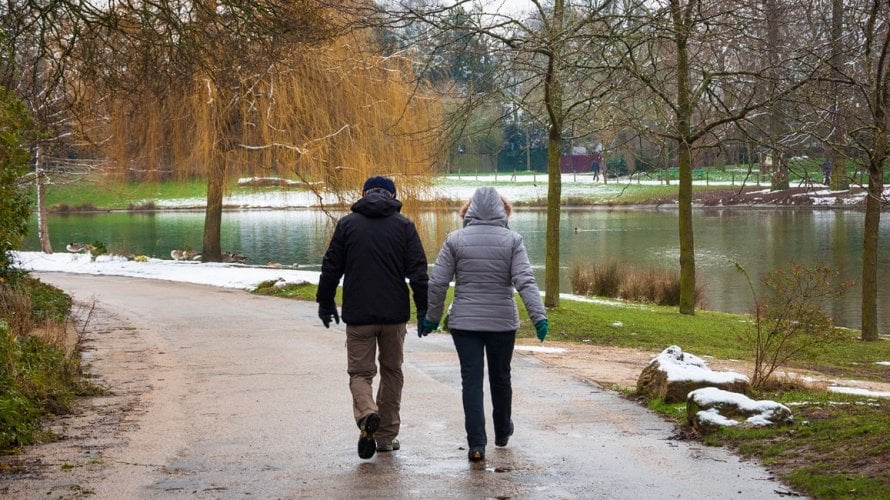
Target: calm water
[759,240]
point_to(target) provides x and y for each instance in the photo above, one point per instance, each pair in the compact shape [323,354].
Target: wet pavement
[241,396]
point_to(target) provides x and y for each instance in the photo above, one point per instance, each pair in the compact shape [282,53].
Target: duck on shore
[75,247]
[184,255]
[233,257]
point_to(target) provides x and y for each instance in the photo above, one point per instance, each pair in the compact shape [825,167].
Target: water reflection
[757,239]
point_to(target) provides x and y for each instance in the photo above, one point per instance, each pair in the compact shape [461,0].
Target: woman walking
[488,261]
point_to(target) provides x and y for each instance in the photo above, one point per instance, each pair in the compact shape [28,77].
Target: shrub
[98,248]
[790,322]
[39,369]
[15,204]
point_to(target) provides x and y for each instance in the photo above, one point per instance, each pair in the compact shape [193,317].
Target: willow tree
[245,86]
[329,115]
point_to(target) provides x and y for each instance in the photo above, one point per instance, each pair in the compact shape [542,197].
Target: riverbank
[578,190]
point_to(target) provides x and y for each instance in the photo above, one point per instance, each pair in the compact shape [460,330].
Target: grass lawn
[96,193]
[101,194]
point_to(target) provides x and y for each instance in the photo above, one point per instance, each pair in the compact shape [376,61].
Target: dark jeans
[498,348]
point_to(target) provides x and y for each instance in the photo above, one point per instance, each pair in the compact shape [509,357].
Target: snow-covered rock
[673,374]
[709,408]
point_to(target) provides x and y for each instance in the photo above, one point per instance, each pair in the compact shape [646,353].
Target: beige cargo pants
[361,348]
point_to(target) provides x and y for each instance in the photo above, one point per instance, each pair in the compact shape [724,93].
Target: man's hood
[377,205]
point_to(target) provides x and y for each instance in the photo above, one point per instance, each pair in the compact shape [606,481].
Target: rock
[710,408]
[673,374]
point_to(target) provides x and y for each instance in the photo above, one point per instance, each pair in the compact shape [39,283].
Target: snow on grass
[857,391]
[215,274]
[523,187]
[535,348]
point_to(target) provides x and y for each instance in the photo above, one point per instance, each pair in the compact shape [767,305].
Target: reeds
[616,280]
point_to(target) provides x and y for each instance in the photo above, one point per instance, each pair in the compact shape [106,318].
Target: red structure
[569,164]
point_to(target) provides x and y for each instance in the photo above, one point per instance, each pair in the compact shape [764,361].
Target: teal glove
[541,328]
[426,327]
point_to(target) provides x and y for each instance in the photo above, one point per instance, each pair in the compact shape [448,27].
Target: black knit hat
[380,183]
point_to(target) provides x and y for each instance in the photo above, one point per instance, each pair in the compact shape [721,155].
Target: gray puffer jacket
[488,261]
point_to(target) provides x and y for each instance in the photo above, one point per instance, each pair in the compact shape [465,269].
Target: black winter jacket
[374,249]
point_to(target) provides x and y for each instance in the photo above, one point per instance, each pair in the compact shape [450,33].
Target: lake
[758,239]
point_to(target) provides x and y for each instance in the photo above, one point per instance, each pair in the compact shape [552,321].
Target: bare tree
[545,72]
[870,79]
[702,68]
[33,69]
[851,104]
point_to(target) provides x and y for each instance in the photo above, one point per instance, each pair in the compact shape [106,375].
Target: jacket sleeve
[443,271]
[524,281]
[333,265]
[416,268]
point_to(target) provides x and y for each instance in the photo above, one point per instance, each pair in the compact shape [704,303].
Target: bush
[39,369]
[790,322]
[15,204]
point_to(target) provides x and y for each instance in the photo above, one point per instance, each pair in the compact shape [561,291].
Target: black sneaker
[506,439]
[476,454]
[366,444]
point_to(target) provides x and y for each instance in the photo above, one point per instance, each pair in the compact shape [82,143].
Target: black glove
[326,312]
[421,314]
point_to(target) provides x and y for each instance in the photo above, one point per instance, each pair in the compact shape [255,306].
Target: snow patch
[858,391]
[546,350]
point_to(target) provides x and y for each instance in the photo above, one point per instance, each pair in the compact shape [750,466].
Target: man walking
[374,248]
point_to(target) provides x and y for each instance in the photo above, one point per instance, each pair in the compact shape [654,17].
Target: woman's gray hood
[486,207]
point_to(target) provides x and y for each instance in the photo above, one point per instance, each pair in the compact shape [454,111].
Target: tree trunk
[779,174]
[870,250]
[838,180]
[554,190]
[528,150]
[878,72]
[42,227]
[216,177]
[555,113]
[684,160]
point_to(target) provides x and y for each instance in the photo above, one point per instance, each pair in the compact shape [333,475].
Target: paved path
[217,393]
